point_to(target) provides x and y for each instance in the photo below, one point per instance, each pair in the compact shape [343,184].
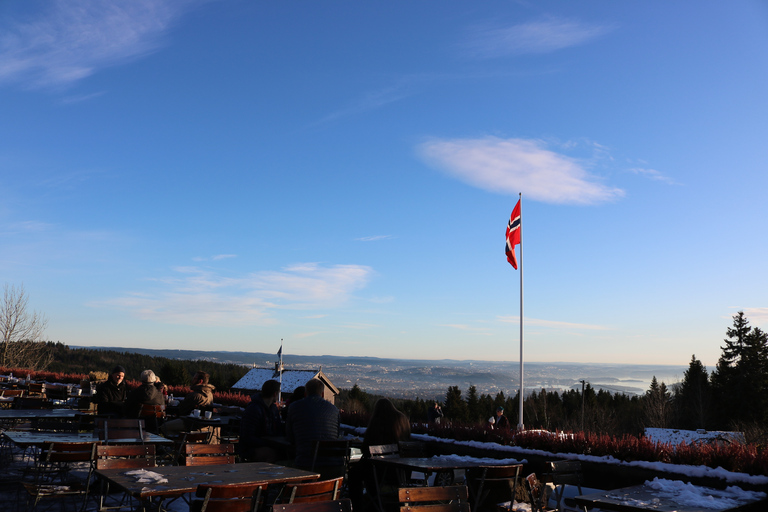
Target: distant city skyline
[198,174]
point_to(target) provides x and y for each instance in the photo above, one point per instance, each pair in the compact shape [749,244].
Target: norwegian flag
[513,235]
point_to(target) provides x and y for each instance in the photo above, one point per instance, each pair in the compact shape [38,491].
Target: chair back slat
[343,505]
[194,454]
[326,490]
[126,456]
[228,498]
[383,451]
[453,498]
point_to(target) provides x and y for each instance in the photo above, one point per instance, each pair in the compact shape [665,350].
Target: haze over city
[225,175]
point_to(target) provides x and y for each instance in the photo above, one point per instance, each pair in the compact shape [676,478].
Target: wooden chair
[134,456]
[194,454]
[153,416]
[227,498]
[330,458]
[492,485]
[537,493]
[326,490]
[111,430]
[562,473]
[315,506]
[36,389]
[454,498]
[383,451]
[201,437]
[52,479]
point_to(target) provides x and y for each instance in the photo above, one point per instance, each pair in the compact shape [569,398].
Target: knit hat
[118,369]
[148,376]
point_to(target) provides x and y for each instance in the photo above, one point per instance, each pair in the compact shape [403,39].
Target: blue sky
[227,174]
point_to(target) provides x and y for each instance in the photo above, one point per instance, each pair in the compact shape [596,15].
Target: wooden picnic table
[25,438]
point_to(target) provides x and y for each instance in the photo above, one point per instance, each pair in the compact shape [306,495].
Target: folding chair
[326,490]
[454,498]
[492,485]
[153,416]
[111,430]
[330,458]
[53,478]
[537,493]
[315,506]
[208,454]
[227,498]
[562,473]
[136,456]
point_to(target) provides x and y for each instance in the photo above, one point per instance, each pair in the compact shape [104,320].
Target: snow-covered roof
[676,436]
[292,379]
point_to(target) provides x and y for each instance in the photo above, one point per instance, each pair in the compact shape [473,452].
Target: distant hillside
[427,379]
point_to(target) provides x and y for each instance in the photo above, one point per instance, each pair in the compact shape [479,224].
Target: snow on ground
[675,436]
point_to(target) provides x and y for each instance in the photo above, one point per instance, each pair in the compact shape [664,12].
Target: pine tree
[473,405]
[656,405]
[740,380]
[693,398]
[455,407]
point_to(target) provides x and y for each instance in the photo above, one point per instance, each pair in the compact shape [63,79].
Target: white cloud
[197,297]
[652,174]
[509,166]
[70,39]
[533,37]
[757,315]
[555,324]
[373,238]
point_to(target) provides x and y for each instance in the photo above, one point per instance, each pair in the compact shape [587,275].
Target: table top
[28,438]
[643,498]
[429,464]
[185,479]
[22,414]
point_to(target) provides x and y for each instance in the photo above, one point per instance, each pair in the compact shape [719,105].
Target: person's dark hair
[270,388]
[314,387]
[387,425]
[200,376]
[298,393]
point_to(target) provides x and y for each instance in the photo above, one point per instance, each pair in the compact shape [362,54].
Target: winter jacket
[147,394]
[311,419]
[110,397]
[201,397]
[258,421]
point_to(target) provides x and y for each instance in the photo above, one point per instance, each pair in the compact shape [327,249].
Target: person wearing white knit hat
[145,394]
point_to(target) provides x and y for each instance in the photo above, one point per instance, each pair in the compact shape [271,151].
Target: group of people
[113,398]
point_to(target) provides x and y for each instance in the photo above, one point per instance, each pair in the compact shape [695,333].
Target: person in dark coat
[111,394]
[313,418]
[146,394]
[260,419]
[500,422]
[435,414]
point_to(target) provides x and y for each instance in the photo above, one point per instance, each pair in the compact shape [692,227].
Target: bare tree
[21,332]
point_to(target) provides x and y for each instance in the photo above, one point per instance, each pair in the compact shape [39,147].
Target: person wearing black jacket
[111,394]
[311,419]
[147,394]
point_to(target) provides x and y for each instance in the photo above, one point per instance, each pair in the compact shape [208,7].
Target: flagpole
[521,425]
[280,373]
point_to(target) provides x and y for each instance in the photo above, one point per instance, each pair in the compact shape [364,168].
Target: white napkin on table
[143,476]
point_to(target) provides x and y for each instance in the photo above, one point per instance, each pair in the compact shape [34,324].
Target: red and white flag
[513,235]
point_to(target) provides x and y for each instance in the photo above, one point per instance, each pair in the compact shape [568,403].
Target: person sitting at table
[298,393]
[111,394]
[146,394]
[387,425]
[260,419]
[311,419]
[200,398]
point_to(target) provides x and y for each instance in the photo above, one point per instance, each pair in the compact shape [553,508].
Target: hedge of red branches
[733,457]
